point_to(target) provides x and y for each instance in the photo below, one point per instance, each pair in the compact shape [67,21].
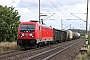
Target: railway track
[7,52]
[12,53]
[41,53]
[50,53]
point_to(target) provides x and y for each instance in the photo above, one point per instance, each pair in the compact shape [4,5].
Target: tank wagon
[69,35]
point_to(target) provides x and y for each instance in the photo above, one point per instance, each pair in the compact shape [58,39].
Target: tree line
[9,21]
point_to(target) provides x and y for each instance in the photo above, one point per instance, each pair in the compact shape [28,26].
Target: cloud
[28,3]
[72,2]
[27,15]
[78,8]
[9,2]
[28,9]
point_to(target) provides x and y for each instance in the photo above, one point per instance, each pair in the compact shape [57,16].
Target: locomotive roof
[33,21]
[56,29]
[28,22]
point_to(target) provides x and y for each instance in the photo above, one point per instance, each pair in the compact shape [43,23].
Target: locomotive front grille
[27,42]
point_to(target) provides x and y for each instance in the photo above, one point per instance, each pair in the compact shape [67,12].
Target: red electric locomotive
[33,34]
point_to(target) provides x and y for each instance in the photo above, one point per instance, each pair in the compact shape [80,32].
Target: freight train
[34,34]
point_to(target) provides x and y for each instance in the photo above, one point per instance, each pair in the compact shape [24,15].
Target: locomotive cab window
[29,28]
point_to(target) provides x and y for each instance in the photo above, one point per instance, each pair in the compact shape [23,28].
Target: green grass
[89,39]
[88,54]
[8,46]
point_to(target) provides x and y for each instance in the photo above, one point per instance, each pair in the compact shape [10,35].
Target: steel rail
[46,52]
[59,51]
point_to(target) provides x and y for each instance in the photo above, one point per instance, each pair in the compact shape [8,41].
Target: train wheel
[22,48]
[38,45]
[64,40]
[59,41]
[49,43]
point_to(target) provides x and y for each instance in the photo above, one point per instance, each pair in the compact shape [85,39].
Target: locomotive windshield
[29,28]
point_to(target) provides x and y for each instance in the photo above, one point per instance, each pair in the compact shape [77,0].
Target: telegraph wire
[25,7]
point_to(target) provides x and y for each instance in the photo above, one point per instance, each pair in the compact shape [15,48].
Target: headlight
[32,35]
[21,35]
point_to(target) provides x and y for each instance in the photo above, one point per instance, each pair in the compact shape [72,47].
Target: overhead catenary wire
[61,5]
[42,9]
[57,8]
[49,16]
[67,26]
[45,7]
[48,11]
[78,17]
[32,3]
[69,12]
[25,6]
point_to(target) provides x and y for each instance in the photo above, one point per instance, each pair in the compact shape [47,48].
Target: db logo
[26,34]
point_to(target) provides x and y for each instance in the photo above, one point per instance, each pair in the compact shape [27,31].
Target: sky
[56,10]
